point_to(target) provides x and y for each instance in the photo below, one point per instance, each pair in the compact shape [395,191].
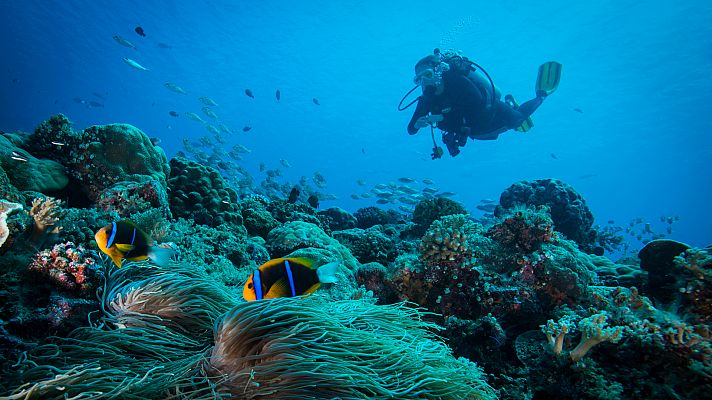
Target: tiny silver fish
[134,64]
[207,101]
[123,42]
[18,157]
[174,88]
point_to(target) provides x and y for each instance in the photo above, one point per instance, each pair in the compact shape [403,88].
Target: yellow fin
[303,261]
[312,289]
[279,289]
[116,259]
[125,248]
[138,258]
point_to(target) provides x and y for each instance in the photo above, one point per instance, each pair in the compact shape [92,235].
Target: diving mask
[431,76]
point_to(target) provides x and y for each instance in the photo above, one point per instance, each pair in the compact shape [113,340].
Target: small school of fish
[402,194]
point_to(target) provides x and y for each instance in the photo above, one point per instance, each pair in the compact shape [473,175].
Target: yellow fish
[288,277]
[124,240]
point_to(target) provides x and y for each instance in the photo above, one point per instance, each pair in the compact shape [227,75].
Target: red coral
[68,266]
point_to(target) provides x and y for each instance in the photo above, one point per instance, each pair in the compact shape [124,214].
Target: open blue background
[639,71]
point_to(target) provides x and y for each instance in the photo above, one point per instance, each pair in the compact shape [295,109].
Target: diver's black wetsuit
[467,111]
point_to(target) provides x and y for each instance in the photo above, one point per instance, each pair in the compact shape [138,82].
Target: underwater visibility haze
[177,176]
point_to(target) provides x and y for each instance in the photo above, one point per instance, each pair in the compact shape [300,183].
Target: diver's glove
[426,120]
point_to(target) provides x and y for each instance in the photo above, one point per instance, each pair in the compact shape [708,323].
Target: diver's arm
[420,111]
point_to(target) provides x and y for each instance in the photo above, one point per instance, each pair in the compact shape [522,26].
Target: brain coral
[199,192]
[569,211]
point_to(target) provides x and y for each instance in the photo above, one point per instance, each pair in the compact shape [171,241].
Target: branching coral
[46,213]
[311,349]
[555,332]
[594,331]
[693,342]
[697,261]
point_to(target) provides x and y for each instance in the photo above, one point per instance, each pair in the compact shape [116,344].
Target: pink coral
[68,266]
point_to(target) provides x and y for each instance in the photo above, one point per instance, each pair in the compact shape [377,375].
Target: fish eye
[250,286]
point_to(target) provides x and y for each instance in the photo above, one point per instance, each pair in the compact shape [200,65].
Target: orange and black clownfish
[288,277]
[123,239]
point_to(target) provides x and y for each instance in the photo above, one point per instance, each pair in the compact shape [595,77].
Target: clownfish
[288,277]
[124,240]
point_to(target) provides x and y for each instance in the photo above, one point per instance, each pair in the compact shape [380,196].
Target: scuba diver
[465,104]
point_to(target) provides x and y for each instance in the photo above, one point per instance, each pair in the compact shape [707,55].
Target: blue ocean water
[628,126]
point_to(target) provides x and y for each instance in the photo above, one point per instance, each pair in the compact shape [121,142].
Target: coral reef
[46,213]
[7,190]
[569,212]
[447,241]
[339,219]
[657,258]
[296,235]
[220,251]
[369,216]
[429,210]
[257,220]
[199,193]
[524,296]
[522,230]
[69,267]
[127,198]
[284,211]
[368,245]
[39,175]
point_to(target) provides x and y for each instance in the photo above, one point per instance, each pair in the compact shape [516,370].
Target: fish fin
[303,261]
[117,259]
[161,256]
[271,263]
[278,289]
[311,289]
[137,258]
[327,272]
[124,248]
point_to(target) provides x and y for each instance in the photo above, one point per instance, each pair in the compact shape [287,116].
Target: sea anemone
[309,348]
